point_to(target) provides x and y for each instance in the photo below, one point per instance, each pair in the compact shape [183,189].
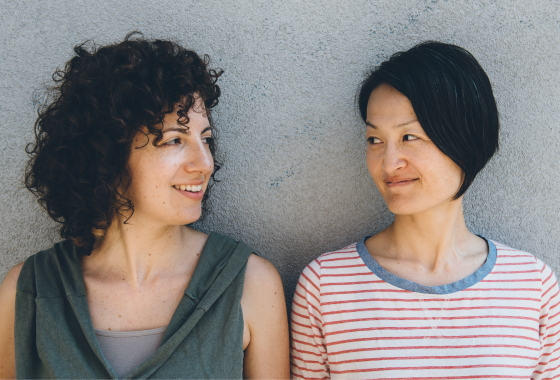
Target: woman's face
[168,180]
[411,173]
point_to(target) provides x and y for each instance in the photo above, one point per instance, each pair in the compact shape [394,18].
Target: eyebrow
[396,126]
[185,130]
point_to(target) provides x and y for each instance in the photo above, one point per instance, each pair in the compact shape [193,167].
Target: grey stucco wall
[295,183]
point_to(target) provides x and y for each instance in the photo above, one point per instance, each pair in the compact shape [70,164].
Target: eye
[409,137]
[207,139]
[174,141]
[373,140]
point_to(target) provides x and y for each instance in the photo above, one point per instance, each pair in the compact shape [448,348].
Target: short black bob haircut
[452,98]
[100,101]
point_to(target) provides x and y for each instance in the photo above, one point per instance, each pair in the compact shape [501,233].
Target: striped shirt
[351,319]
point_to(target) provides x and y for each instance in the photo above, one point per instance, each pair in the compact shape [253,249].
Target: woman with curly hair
[124,160]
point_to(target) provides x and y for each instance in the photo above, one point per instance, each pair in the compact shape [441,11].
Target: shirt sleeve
[549,362]
[309,353]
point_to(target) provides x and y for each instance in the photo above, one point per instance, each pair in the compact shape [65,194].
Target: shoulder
[43,272]
[331,263]
[9,285]
[8,291]
[506,253]
[264,314]
[53,257]
[223,247]
[508,258]
[261,275]
[263,292]
[513,262]
[197,237]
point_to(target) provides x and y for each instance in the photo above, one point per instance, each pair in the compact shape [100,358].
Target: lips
[195,193]
[190,188]
[397,182]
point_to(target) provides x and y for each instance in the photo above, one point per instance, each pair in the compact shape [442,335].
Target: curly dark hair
[102,98]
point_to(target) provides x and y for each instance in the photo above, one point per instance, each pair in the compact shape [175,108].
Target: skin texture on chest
[118,306]
[147,299]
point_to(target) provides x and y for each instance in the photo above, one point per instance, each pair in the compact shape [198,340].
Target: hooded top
[54,336]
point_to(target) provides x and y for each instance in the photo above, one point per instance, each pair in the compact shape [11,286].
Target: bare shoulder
[261,275]
[7,319]
[9,284]
[256,265]
[263,285]
[267,355]
[8,293]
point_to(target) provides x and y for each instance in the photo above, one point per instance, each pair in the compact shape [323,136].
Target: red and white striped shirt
[351,319]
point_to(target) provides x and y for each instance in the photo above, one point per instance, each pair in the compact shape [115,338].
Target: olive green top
[54,336]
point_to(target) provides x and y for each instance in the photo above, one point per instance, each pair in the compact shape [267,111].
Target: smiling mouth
[189,188]
[403,182]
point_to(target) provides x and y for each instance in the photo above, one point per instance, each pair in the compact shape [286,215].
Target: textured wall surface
[294,182]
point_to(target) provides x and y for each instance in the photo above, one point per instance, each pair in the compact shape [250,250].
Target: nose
[393,158]
[198,158]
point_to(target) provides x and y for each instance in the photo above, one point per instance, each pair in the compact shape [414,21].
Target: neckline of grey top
[122,334]
[125,350]
[412,286]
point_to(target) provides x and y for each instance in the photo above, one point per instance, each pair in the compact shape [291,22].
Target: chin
[402,207]
[416,206]
[191,220]
[187,217]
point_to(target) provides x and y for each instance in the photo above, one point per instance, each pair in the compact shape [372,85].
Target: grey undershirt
[125,350]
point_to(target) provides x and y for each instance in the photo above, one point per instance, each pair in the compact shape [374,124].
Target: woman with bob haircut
[426,298]
[124,159]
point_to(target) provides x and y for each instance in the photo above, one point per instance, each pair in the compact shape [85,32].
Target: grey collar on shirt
[402,283]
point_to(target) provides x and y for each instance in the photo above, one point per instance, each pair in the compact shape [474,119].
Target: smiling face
[411,173]
[168,180]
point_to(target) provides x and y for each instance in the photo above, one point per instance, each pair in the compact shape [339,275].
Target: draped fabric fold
[204,339]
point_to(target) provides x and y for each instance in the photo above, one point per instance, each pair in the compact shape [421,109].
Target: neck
[138,252]
[434,237]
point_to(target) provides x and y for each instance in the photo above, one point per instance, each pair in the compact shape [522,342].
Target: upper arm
[309,353]
[264,309]
[549,363]
[7,318]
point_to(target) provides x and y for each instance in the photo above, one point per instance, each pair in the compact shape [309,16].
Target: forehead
[387,104]
[196,119]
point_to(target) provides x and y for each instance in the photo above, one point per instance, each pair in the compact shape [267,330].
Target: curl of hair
[102,98]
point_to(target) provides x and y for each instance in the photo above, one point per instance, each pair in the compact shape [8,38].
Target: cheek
[448,176]
[155,172]
[455,178]
[164,164]
[374,165]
